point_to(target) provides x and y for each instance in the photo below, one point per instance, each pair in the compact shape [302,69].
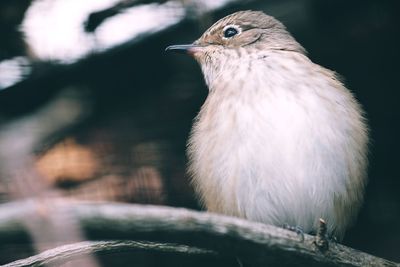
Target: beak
[183,49]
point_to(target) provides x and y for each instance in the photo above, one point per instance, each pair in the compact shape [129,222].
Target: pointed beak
[183,49]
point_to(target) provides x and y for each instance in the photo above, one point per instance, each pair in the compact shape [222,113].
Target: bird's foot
[297,229]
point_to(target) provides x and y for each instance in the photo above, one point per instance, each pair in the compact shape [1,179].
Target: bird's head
[253,31]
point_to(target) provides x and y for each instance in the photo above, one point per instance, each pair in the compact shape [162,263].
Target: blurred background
[91,108]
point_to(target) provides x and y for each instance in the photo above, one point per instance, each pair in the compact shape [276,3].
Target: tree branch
[67,252]
[253,243]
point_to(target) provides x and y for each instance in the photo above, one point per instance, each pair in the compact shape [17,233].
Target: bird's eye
[230,32]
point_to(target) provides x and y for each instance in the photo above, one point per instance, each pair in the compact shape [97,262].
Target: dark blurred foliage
[143,103]
[11,14]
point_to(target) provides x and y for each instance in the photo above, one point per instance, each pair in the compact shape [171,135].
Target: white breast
[287,145]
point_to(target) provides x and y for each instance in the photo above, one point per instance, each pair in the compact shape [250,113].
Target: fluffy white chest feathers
[279,140]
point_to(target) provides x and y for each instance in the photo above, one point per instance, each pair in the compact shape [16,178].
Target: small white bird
[279,139]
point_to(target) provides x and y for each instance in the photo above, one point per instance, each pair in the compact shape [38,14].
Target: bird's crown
[245,28]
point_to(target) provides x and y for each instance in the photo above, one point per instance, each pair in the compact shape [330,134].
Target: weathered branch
[67,252]
[253,243]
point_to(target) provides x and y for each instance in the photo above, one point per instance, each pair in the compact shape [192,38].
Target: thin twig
[321,239]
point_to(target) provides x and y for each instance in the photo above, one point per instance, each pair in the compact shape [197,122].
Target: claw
[297,229]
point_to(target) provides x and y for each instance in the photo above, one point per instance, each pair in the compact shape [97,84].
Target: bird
[279,139]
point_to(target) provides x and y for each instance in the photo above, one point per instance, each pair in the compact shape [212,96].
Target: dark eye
[230,32]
